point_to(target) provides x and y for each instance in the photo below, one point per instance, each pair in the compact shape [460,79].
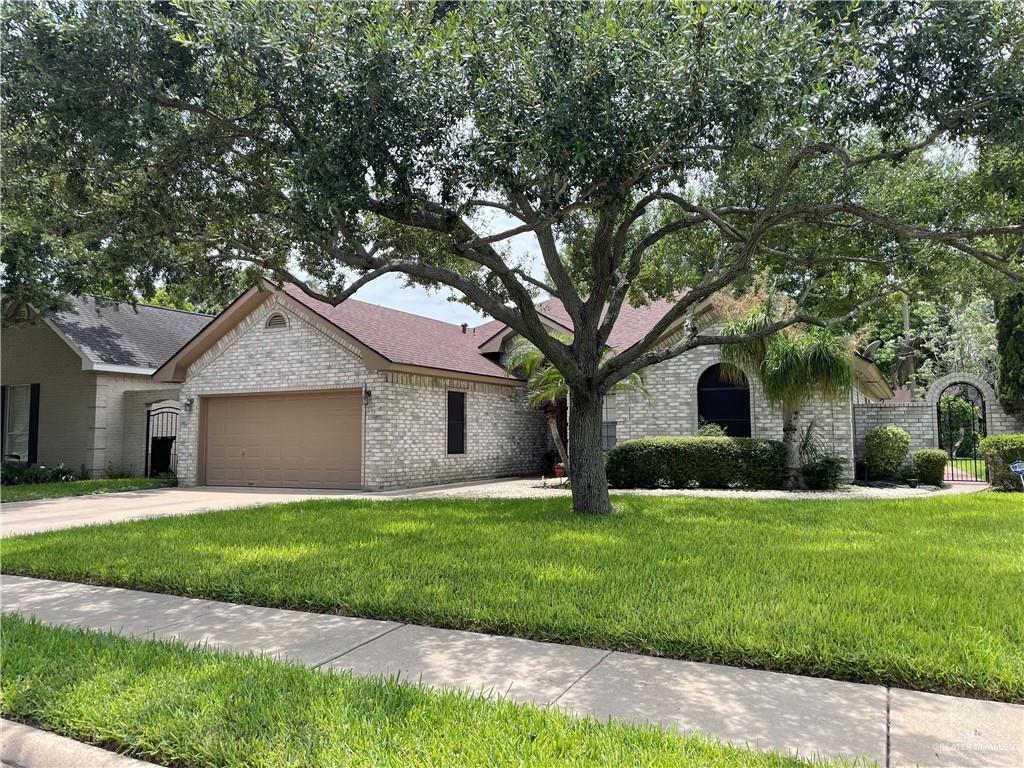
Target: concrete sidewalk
[22,746]
[764,710]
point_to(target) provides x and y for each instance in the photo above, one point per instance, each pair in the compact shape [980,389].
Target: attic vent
[21,314]
[277,320]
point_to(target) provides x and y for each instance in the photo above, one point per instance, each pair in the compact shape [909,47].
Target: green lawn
[192,707]
[921,593]
[31,491]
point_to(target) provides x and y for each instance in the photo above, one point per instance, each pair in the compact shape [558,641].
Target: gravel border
[533,488]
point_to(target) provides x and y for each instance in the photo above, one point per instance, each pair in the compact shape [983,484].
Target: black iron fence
[161,436]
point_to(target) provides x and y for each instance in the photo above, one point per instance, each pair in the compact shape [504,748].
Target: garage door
[284,441]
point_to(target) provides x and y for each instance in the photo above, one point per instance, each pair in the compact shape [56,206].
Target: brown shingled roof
[403,337]
[631,326]
[409,339]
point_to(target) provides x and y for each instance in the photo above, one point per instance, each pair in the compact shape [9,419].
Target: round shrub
[824,473]
[885,449]
[930,466]
[999,452]
[705,462]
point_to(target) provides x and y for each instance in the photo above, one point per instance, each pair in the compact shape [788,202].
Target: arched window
[277,320]
[724,400]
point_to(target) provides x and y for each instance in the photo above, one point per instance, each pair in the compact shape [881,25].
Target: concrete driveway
[49,514]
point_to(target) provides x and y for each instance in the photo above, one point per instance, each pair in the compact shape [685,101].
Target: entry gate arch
[961,409]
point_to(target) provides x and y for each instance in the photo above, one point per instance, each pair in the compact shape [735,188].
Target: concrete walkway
[764,710]
[51,514]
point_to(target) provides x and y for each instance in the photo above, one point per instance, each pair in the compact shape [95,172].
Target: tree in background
[1010,340]
[957,333]
[792,364]
[672,150]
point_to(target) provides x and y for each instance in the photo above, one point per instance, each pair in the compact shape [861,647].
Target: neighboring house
[77,384]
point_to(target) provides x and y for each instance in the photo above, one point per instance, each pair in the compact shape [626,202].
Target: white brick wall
[404,440]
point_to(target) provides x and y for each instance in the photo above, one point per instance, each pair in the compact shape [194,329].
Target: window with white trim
[17,421]
[609,417]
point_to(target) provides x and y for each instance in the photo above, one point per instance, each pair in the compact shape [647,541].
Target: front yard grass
[33,491]
[918,593]
[191,707]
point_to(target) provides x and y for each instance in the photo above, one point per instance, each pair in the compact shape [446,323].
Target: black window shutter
[33,425]
[3,420]
[456,422]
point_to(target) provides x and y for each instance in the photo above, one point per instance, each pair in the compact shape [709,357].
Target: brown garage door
[284,441]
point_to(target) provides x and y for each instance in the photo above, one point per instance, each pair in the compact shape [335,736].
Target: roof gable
[405,338]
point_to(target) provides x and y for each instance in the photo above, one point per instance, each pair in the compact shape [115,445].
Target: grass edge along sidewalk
[915,594]
[12,494]
[193,707]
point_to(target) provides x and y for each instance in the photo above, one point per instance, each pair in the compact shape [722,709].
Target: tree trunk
[589,483]
[551,412]
[792,479]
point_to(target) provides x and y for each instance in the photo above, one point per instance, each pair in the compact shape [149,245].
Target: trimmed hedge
[12,473]
[999,452]
[705,462]
[930,465]
[885,449]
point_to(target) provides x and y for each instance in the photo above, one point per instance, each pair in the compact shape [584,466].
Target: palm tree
[792,365]
[545,385]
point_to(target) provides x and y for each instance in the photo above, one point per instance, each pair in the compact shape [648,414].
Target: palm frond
[791,365]
[545,383]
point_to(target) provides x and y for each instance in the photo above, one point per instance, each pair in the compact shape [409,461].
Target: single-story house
[77,384]
[282,390]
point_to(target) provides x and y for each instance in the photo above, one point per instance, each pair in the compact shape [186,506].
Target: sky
[389,291]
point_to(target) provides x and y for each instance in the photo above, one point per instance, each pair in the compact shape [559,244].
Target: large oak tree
[823,151]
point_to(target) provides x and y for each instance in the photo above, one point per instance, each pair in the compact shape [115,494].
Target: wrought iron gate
[161,435]
[961,420]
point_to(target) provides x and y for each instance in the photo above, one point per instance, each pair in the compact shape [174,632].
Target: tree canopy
[833,152]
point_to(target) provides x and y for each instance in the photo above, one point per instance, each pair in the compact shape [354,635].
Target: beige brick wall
[135,413]
[404,424]
[920,418]
[671,408]
[407,442]
[121,403]
[67,394]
